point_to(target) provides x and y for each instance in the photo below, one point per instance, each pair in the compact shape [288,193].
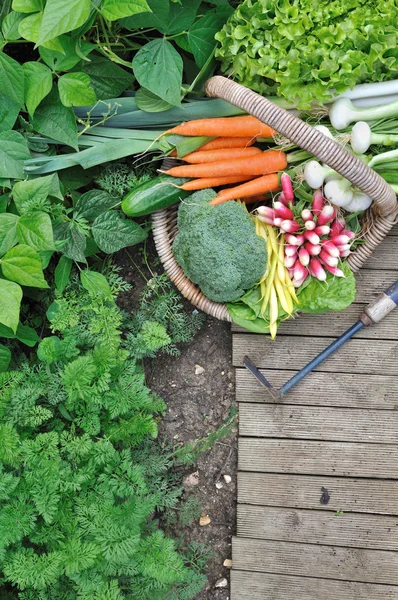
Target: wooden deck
[318,473]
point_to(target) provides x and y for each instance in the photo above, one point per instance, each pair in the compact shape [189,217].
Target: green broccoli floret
[218,248]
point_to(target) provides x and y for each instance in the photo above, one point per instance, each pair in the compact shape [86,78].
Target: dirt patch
[199,389]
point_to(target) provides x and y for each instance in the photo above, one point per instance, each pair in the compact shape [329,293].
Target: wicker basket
[382,215]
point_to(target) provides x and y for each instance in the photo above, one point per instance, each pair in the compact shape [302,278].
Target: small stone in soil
[228,563]
[204,520]
[227,478]
[221,583]
[191,480]
[199,370]
[219,485]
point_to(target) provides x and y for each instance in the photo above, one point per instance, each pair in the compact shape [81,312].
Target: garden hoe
[373,313]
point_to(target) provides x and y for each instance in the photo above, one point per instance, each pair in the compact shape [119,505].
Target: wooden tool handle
[381,306]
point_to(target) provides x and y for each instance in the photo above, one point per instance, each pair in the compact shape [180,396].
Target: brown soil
[197,404]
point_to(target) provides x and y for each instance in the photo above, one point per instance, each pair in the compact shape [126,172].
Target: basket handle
[308,138]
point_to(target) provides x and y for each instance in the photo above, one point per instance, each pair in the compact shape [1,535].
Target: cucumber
[153,195]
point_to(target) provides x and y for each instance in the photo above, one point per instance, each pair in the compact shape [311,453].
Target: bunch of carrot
[231,158]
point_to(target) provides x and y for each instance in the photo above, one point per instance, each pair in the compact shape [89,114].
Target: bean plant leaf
[66,60]
[149,102]
[38,83]
[10,302]
[13,151]
[35,191]
[62,273]
[158,68]
[182,15]
[95,283]
[201,35]
[111,233]
[75,90]
[27,6]
[29,29]
[27,335]
[10,26]
[9,112]
[8,232]
[5,358]
[45,257]
[5,8]
[117,9]
[61,16]
[92,204]
[56,121]
[158,18]
[23,265]
[72,241]
[35,230]
[107,79]
[12,79]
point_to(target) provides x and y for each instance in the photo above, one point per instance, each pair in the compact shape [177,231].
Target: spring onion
[343,112]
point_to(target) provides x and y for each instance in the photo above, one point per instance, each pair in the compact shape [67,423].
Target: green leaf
[27,6]
[117,9]
[9,112]
[150,102]
[10,26]
[111,233]
[23,265]
[61,16]
[5,7]
[95,283]
[93,203]
[10,302]
[13,151]
[45,257]
[335,293]
[62,273]
[12,79]
[5,358]
[107,79]
[158,68]
[8,232]
[91,247]
[201,35]
[37,189]
[38,83]
[35,230]
[29,29]
[182,15]
[58,61]
[27,335]
[74,241]
[75,90]
[158,18]
[4,200]
[50,349]
[56,121]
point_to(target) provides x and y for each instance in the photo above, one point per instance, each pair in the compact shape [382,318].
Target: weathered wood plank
[267,586]
[304,491]
[385,256]
[308,560]
[334,324]
[318,423]
[353,530]
[379,357]
[363,391]
[342,459]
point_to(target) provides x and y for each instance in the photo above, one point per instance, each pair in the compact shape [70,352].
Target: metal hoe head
[276,394]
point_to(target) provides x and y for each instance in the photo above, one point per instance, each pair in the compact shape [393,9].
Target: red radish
[267,220]
[291,273]
[278,221]
[334,271]
[326,215]
[312,249]
[294,240]
[332,261]
[322,230]
[300,274]
[290,250]
[281,198]
[344,247]
[310,225]
[312,237]
[306,214]
[348,233]
[283,211]
[289,261]
[304,257]
[340,239]
[345,253]
[289,226]
[337,226]
[266,211]
[331,248]
[287,187]
[316,270]
[317,202]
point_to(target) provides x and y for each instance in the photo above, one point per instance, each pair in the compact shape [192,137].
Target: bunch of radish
[316,238]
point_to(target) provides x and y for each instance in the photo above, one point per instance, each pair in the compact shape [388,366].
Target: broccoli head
[218,248]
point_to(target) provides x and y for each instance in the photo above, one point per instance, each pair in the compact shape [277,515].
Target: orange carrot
[214,156]
[173,154]
[255,199]
[261,185]
[209,182]
[246,126]
[270,161]
[228,142]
